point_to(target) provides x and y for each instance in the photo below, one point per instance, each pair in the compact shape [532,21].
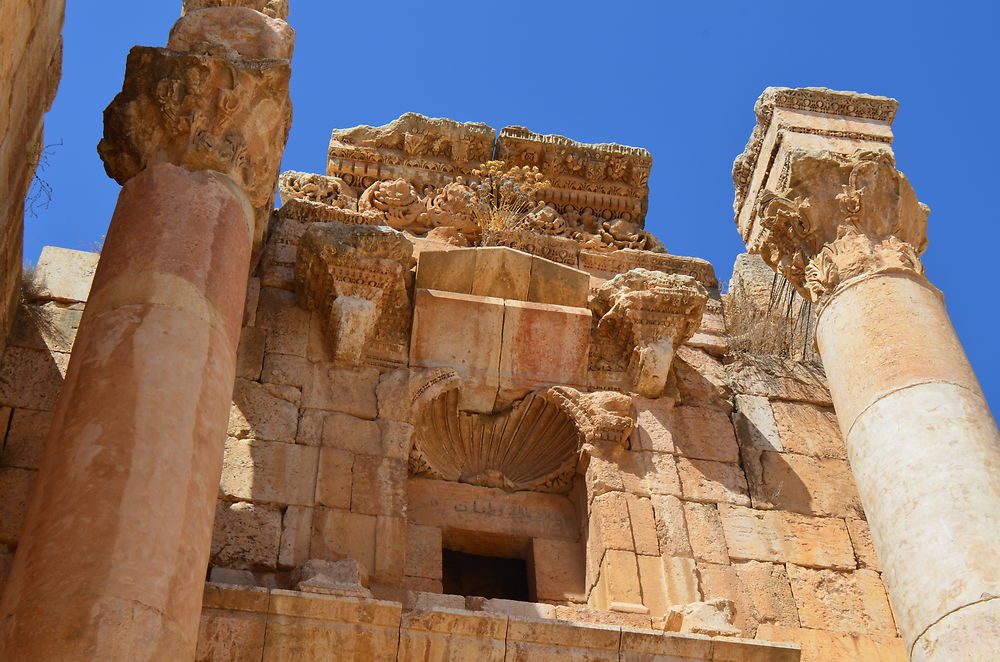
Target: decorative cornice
[839,218]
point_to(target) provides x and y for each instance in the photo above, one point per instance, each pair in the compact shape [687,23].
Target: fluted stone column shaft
[111,562]
[925,452]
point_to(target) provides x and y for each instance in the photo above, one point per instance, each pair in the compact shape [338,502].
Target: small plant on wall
[505,194]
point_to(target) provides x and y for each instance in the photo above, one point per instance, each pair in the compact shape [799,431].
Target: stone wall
[30,67]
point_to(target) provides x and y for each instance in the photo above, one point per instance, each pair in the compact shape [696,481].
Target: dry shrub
[782,324]
[505,194]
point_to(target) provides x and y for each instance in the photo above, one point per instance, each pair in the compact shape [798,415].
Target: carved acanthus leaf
[839,218]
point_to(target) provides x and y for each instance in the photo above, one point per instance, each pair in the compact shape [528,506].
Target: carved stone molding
[641,317]
[533,445]
[200,112]
[357,278]
[838,218]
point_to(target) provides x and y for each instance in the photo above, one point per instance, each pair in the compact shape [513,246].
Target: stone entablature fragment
[357,278]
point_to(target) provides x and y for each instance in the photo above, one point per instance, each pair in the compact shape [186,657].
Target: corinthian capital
[839,217]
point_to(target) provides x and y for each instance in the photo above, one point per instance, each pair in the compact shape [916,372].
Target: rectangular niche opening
[486,565]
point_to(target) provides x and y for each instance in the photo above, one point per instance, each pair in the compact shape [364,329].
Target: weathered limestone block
[560,642]
[345,577]
[246,535]
[713,618]
[15,494]
[339,534]
[269,471]
[355,277]
[334,479]
[257,413]
[558,570]
[250,353]
[707,481]
[47,326]
[808,429]
[778,379]
[423,551]
[641,318]
[63,275]
[655,425]
[286,324]
[755,424]
[861,538]
[769,592]
[272,8]
[234,33]
[704,526]
[704,434]
[824,646]
[448,634]
[348,390]
[378,486]
[296,532]
[25,438]
[768,535]
[807,485]
[233,622]
[671,527]
[30,378]
[846,601]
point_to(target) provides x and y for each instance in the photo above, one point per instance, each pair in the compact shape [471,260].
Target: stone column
[847,231]
[111,563]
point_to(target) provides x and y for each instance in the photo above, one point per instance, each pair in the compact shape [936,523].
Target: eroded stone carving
[398,201]
[641,317]
[533,445]
[200,112]
[357,277]
[840,217]
[232,32]
[272,8]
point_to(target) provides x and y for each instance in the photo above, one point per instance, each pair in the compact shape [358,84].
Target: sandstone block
[296,534]
[447,270]
[310,429]
[445,634]
[345,577]
[237,32]
[502,272]
[250,354]
[671,527]
[823,646]
[722,582]
[490,510]
[755,424]
[25,437]
[801,484]
[423,585]
[353,434]
[334,479]
[708,542]
[531,333]
[809,429]
[599,617]
[49,326]
[339,534]
[284,369]
[602,475]
[15,495]
[611,521]
[390,550]
[701,379]
[704,480]
[330,627]
[713,618]
[620,569]
[423,551]
[864,550]
[769,592]
[655,425]
[397,439]
[62,274]
[645,473]
[558,284]
[640,511]
[347,390]
[778,379]
[269,471]
[258,413]
[253,298]
[705,434]
[558,568]
[393,394]
[845,601]
[30,379]
[225,634]
[637,646]
[762,535]
[246,535]
[555,641]
[287,324]
[378,486]
[516,608]
[439,319]
[421,601]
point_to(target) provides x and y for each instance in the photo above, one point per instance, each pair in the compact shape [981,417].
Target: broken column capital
[840,217]
[642,316]
[272,8]
[355,276]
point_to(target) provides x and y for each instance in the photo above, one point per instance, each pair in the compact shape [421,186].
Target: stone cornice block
[810,118]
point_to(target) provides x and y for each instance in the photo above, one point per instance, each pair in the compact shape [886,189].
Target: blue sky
[679,79]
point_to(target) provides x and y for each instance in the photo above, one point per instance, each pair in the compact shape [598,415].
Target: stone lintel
[809,118]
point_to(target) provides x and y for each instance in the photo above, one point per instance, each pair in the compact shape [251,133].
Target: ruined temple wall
[30,67]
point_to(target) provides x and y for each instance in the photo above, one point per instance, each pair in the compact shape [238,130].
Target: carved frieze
[838,218]
[619,262]
[640,318]
[200,112]
[533,445]
[357,278]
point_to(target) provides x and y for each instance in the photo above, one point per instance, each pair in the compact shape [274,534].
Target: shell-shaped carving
[531,446]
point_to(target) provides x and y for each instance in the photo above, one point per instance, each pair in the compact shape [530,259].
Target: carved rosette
[641,317]
[356,277]
[534,445]
[839,218]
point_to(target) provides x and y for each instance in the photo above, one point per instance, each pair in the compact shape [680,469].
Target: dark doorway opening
[485,576]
